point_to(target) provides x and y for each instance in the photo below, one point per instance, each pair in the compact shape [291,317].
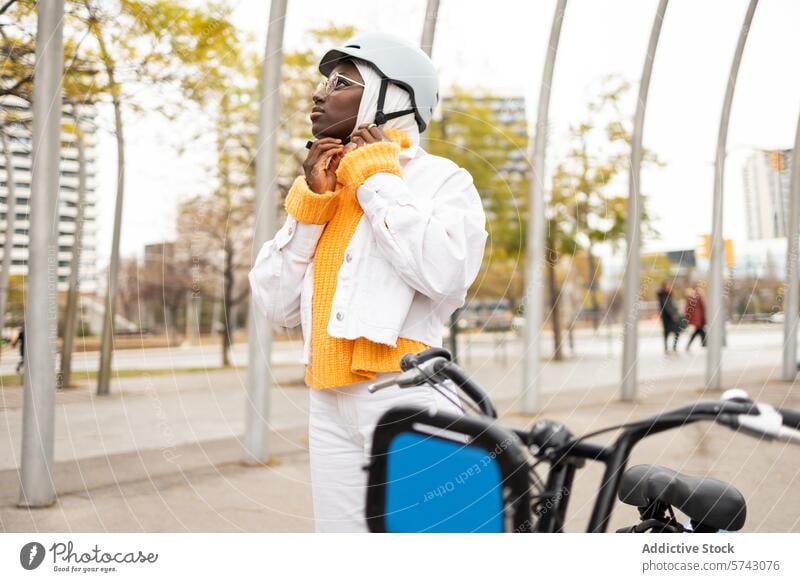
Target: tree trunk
[227,303]
[172,313]
[11,212]
[71,313]
[107,338]
[593,288]
[554,311]
[194,304]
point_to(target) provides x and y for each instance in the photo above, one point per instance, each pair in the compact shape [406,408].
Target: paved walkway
[162,453]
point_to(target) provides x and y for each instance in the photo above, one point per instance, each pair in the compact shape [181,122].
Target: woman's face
[335,115]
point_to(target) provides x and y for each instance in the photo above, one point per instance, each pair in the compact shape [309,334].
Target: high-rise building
[508,124]
[19,139]
[766,190]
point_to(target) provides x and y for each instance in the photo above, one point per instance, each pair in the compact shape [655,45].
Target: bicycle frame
[552,443]
[615,457]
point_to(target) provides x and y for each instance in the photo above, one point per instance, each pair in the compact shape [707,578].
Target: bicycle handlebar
[770,422]
[473,391]
[434,364]
[409,361]
[735,410]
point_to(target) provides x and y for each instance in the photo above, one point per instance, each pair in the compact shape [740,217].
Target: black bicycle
[434,471]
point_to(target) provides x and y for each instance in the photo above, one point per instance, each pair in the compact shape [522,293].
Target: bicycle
[434,471]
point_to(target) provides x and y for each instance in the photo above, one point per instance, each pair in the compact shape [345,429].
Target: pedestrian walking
[695,312]
[670,317]
[20,341]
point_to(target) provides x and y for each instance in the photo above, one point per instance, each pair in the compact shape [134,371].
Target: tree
[16,82]
[17,52]
[160,43]
[220,222]
[587,206]
[484,134]
[99,25]
[477,132]
[559,242]
[217,229]
[71,309]
[79,90]
[16,77]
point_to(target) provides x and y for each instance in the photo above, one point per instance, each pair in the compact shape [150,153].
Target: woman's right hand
[320,174]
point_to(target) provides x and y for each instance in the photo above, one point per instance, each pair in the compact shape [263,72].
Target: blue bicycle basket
[442,473]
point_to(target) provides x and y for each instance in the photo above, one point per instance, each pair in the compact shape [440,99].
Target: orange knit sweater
[337,362]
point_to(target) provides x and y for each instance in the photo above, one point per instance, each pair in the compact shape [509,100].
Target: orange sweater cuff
[361,163]
[309,207]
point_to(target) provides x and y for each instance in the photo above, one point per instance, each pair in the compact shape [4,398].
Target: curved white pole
[791,294]
[633,222]
[716,311]
[535,246]
[259,336]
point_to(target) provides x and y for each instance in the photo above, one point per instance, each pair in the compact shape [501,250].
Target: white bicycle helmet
[397,61]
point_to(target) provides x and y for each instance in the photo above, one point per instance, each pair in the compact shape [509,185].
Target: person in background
[696,315]
[670,318]
[20,341]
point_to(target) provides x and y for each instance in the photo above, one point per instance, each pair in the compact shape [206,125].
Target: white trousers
[341,424]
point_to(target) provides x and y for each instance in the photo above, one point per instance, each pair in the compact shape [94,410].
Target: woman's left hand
[365,135]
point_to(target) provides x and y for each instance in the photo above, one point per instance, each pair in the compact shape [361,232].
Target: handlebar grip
[549,433]
[791,418]
[408,361]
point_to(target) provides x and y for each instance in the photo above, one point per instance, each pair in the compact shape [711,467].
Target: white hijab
[397,99]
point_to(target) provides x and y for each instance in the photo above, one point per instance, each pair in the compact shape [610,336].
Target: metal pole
[716,313]
[429,27]
[535,247]
[73,292]
[37,488]
[259,337]
[428,34]
[791,293]
[633,222]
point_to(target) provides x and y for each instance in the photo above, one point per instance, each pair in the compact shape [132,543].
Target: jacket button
[291,230]
[340,316]
[348,257]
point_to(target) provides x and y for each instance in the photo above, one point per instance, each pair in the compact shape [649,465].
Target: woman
[670,318]
[696,316]
[381,242]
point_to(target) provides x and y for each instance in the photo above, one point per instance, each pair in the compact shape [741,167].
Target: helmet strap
[380,116]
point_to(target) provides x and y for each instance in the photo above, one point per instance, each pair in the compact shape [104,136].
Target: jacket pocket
[386,298]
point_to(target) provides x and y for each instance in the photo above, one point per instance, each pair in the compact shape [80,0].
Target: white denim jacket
[413,256]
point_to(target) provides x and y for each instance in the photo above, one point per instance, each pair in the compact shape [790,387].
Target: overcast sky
[501,45]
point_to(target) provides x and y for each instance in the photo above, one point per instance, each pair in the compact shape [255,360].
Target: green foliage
[17,53]
[588,202]
[15,308]
[476,132]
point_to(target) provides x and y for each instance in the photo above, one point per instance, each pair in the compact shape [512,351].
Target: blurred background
[160,109]
[187,76]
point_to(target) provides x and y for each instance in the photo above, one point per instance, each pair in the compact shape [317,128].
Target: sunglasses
[336,82]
